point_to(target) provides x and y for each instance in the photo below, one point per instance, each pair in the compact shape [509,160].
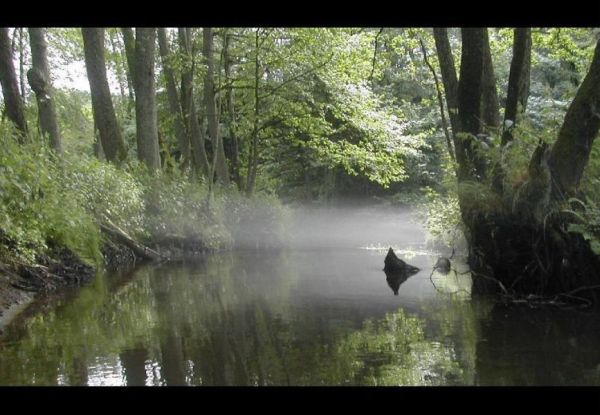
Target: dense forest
[186,140]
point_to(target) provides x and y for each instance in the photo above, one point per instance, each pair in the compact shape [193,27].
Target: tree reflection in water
[263,319]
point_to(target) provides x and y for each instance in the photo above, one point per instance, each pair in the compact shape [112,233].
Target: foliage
[178,208]
[257,222]
[37,210]
[586,222]
[442,216]
[104,190]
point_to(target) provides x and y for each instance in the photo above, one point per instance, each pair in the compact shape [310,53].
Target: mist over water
[355,227]
[318,312]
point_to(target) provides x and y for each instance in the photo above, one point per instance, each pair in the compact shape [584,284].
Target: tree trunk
[231,121]
[188,106]
[10,86]
[129,43]
[469,102]
[253,159]
[442,46]
[145,95]
[102,105]
[490,109]
[518,81]
[39,80]
[571,151]
[219,162]
[121,70]
[174,103]
[517,94]
[440,100]
[22,65]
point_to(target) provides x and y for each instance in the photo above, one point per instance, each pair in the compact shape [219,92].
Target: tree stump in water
[393,264]
[397,271]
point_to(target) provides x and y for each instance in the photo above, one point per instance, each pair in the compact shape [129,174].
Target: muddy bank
[20,283]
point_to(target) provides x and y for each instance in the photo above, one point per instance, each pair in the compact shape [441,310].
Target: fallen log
[138,249]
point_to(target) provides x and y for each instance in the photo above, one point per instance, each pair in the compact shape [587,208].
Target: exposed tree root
[526,263]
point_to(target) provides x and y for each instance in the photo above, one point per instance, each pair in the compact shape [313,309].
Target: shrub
[37,210]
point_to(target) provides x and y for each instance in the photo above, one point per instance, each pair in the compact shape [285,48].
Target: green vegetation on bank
[198,136]
[50,202]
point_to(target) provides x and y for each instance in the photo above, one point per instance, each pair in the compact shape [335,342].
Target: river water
[318,313]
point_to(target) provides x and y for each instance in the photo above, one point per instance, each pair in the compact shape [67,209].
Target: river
[320,312]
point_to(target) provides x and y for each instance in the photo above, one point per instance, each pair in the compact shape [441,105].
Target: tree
[470,90]
[253,156]
[571,152]
[174,102]
[231,115]
[188,104]
[145,106]
[490,108]
[517,94]
[39,80]
[10,86]
[518,82]
[440,100]
[442,45]
[129,42]
[102,105]
[219,164]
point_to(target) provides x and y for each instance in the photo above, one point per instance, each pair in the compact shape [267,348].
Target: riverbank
[63,219]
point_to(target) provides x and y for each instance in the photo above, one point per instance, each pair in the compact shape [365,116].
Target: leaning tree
[519,233]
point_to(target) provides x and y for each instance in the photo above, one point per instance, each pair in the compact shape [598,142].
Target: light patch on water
[106,371]
[153,377]
[409,252]
[61,380]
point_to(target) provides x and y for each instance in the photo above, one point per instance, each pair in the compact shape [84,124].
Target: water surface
[318,313]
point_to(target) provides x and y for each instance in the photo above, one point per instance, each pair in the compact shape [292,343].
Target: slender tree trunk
[518,81]
[440,100]
[22,64]
[442,46]
[129,46]
[490,108]
[219,162]
[39,80]
[231,121]
[10,86]
[469,103]
[571,152]
[102,105]
[517,94]
[129,42]
[174,103]
[98,150]
[120,74]
[188,105]
[145,95]
[253,159]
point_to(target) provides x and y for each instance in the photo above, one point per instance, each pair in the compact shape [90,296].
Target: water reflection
[291,318]
[395,279]
[227,320]
[539,347]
